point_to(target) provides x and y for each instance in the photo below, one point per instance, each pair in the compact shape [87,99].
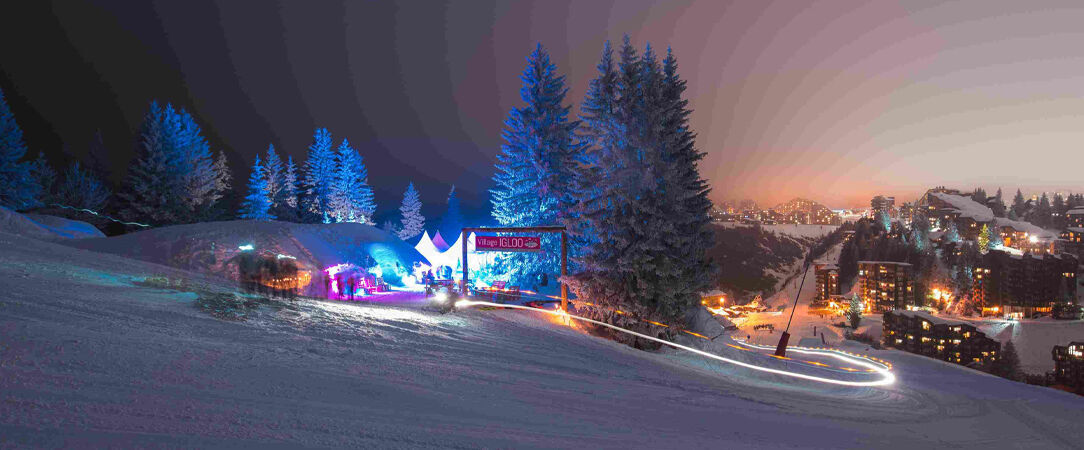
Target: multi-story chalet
[1069,365]
[1007,284]
[1073,241]
[885,285]
[1075,218]
[921,333]
[827,281]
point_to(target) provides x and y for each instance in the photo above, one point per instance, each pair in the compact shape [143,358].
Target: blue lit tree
[412,223]
[45,177]
[320,172]
[17,187]
[82,189]
[286,201]
[175,178]
[351,198]
[257,203]
[274,173]
[534,168]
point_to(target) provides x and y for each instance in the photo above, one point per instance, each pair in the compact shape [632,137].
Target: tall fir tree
[175,177]
[151,186]
[18,189]
[1040,214]
[534,168]
[986,239]
[286,202]
[1019,206]
[275,173]
[412,222]
[351,198]
[999,204]
[320,174]
[82,189]
[257,203]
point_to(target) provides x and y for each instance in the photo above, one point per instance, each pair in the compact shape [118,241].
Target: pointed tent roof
[438,241]
[428,249]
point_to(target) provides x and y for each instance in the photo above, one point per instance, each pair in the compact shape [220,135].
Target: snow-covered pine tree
[320,173]
[690,191]
[82,189]
[257,203]
[199,180]
[150,188]
[274,172]
[17,187]
[854,311]
[223,177]
[351,198]
[286,203]
[534,168]
[952,234]
[451,224]
[412,223]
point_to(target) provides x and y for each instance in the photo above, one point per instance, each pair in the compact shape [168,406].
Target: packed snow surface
[40,226]
[90,359]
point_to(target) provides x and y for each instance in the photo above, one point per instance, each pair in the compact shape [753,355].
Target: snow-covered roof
[967,207]
[885,262]
[1076,211]
[1029,227]
[1075,229]
[924,315]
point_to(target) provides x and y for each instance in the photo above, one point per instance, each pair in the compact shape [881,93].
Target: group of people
[347,285]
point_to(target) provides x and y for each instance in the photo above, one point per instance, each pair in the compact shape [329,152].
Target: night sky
[833,100]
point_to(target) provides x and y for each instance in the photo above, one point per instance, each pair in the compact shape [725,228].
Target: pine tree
[999,204]
[854,311]
[535,164]
[412,222]
[351,198]
[175,177]
[82,189]
[18,189]
[452,222]
[391,227]
[222,174]
[641,191]
[1019,206]
[286,202]
[1007,363]
[257,203]
[151,186]
[1040,214]
[986,239]
[320,174]
[45,177]
[952,234]
[1057,212]
[275,174]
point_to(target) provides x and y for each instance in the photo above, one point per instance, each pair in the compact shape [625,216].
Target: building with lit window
[827,281]
[923,334]
[1073,241]
[1008,284]
[1069,365]
[885,285]
[1075,218]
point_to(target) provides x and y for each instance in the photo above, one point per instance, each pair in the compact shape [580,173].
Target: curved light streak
[887,378]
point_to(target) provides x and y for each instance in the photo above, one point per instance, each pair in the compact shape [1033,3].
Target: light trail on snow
[887,378]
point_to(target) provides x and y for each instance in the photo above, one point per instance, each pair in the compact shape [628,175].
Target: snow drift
[39,226]
[212,246]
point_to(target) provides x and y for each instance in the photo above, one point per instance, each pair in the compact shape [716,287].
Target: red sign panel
[507,243]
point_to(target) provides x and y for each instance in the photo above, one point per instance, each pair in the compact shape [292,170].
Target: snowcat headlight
[442,297]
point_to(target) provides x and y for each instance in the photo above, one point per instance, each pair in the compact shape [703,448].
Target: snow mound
[66,228]
[211,247]
[45,227]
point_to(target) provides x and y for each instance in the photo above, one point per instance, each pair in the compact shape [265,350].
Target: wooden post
[463,239]
[564,270]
